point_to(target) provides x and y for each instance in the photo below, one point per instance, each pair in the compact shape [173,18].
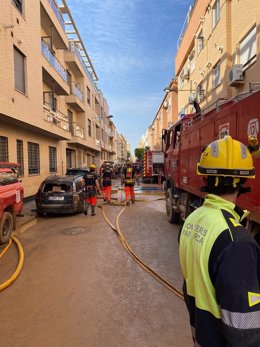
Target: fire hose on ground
[19,267]
[126,246]
[123,241]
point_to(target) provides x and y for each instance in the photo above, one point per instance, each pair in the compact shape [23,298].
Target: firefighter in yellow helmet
[91,189]
[220,260]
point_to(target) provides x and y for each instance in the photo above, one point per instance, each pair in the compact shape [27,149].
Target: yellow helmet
[226,157]
[92,166]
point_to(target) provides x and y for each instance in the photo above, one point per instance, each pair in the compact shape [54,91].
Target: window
[50,100]
[248,48]
[70,119]
[192,61]
[52,159]
[181,80]
[216,75]
[19,70]
[88,95]
[200,42]
[19,5]
[33,158]
[3,148]
[20,159]
[215,13]
[201,92]
[89,128]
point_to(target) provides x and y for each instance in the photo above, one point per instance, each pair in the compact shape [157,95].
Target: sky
[132,45]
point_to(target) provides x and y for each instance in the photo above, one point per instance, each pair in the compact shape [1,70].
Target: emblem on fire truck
[223,130]
[253,127]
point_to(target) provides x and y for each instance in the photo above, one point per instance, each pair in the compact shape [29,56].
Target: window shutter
[19,75]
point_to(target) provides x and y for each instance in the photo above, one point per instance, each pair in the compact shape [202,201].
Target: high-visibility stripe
[248,320]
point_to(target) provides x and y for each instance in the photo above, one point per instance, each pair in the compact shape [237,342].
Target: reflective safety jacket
[220,263]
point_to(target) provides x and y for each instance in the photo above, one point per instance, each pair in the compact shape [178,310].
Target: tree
[139,153]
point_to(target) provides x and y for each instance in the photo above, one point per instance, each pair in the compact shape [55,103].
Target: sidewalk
[27,218]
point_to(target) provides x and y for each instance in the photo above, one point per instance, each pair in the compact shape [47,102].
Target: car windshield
[7,178]
[58,188]
[75,172]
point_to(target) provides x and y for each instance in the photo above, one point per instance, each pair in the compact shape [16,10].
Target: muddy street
[79,287]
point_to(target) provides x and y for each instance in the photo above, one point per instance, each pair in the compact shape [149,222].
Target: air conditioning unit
[236,74]
[186,73]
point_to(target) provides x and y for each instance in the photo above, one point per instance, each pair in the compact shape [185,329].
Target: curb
[25,223]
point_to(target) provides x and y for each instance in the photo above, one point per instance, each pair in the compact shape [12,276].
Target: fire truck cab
[183,144]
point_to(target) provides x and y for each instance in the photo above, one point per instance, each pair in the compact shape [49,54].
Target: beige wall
[167,115]
[25,117]
[221,44]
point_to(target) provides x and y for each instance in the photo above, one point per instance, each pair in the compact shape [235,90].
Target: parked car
[60,194]
[77,171]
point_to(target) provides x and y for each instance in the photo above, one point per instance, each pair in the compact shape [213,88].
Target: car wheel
[6,227]
[173,216]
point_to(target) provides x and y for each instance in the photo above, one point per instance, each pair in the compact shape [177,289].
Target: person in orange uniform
[107,173]
[128,179]
[91,190]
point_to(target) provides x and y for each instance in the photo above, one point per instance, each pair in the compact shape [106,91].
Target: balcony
[78,134]
[53,24]
[77,130]
[55,117]
[75,61]
[75,99]
[57,13]
[54,74]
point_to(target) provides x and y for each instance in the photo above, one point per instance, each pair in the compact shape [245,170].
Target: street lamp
[104,117]
[168,89]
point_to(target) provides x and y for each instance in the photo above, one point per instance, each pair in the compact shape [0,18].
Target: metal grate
[33,158]
[52,159]
[3,148]
[20,157]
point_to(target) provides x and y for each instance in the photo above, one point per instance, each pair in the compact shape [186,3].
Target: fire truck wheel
[173,216]
[6,227]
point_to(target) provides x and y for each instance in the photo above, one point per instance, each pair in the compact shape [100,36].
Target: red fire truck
[153,162]
[184,142]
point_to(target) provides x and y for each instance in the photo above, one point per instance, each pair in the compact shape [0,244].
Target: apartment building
[52,115]
[166,115]
[218,52]
[121,149]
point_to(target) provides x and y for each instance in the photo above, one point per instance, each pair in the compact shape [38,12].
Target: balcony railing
[54,61]
[185,25]
[74,90]
[57,13]
[77,130]
[73,48]
[56,117]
